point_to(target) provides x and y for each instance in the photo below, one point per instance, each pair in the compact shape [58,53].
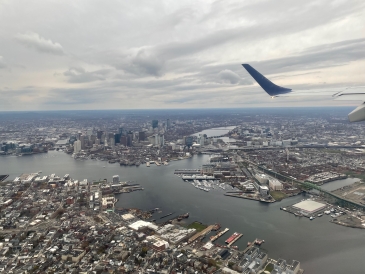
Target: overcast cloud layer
[89,54]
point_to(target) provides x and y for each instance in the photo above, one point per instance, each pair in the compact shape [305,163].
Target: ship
[230,239]
[183,216]
[259,242]
[216,227]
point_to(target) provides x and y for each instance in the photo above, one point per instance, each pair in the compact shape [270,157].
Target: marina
[197,177]
[206,183]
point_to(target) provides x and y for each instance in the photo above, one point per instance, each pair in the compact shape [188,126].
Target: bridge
[281,147]
[340,200]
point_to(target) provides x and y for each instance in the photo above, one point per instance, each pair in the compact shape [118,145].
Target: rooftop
[309,206]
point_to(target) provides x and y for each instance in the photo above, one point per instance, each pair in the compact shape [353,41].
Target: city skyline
[172,55]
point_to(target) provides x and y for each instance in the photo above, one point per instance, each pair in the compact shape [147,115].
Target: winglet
[266,84]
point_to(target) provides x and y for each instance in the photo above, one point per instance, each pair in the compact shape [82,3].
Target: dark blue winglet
[265,83]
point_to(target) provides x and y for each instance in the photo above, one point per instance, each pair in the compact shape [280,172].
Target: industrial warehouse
[309,207]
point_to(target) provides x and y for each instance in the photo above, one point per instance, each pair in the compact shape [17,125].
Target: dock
[3,177]
[235,240]
[220,234]
[167,215]
[250,245]
[157,163]
[247,197]
[201,233]
[187,171]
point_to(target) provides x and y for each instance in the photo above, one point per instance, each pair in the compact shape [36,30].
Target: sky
[86,54]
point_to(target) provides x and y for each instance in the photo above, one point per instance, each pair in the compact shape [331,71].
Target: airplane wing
[343,94]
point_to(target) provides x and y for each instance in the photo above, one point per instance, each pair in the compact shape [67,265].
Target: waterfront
[219,131]
[320,246]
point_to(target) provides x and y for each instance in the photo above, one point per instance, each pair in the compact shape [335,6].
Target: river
[320,246]
[216,132]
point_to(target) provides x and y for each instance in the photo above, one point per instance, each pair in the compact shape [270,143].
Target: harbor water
[320,246]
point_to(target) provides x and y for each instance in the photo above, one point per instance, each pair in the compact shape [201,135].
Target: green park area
[198,226]
[277,195]
[269,267]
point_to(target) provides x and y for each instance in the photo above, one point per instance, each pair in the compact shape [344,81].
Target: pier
[167,215]
[187,171]
[220,234]
[249,198]
[3,177]
[235,240]
[254,242]
[201,233]
[197,177]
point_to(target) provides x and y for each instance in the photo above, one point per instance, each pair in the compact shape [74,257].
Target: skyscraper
[112,142]
[92,139]
[116,179]
[154,123]
[162,140]
[129,138]
[82,140]
[123,140]
[117,138]
[141,136]
[188,141]
[99,134]
[77,146]
[168,123]
[201,139]
[120,131]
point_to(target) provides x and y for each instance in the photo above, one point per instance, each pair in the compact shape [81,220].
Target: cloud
[177,53]
[231,77]
[80,75]
[2,63]
[145,63]
[322,56]
[75,96]
[35,41]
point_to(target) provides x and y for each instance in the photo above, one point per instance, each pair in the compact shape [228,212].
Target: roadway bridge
[281,148]
[342,201]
